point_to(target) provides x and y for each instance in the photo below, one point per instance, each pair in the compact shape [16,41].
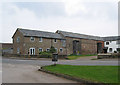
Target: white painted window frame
[32,40]
[39,49]
[40,38]
[60,49]
[54,40]
[47,48]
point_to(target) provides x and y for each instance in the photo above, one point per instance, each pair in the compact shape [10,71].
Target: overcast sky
[91,17]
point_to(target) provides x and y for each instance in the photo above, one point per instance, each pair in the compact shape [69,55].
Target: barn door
[99,47]
[76,47]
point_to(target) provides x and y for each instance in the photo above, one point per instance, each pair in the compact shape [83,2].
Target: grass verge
[72,57]
[99,74]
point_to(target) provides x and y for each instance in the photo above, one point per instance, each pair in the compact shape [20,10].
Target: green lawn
[101,74]
[71,57]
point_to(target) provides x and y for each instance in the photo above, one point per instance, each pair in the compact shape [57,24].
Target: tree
[52,49]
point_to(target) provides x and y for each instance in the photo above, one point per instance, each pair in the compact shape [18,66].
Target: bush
[45,54]
[52,49]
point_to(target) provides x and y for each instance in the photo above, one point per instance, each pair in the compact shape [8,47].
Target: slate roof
[111,38]
[77,35]
[36,33]
[57,35]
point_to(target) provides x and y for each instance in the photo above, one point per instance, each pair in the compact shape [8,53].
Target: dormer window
[40,39]
[18,39]
[32,39]
[55,40]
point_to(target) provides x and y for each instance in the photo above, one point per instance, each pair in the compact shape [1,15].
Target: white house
[111,44]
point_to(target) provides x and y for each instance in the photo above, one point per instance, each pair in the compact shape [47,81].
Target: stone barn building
[31,42]
[82,44]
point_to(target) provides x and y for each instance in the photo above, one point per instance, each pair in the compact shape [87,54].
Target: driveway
[21,73]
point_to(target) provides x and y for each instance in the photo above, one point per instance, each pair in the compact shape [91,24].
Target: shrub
[45,54]
[52,49]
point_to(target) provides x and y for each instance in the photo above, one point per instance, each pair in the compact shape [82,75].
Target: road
[43,62]
[26,71]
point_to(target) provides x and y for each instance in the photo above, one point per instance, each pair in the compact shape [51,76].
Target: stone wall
[25,44]
[18,44]
[46,43]
[87,46]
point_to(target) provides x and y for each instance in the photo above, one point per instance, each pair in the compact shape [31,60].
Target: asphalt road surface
[26,71]
[43,62]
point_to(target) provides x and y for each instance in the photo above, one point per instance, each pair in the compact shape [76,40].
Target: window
[32,51]
[48,49]
[110,49]
[56,50]
[18,39]
[55,40]
[61,50]
[32,39]
[63,43]
[40,49]
[18,50]
[107,43]
[40,39]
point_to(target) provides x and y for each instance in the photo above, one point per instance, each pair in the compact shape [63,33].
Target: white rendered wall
[113,45]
